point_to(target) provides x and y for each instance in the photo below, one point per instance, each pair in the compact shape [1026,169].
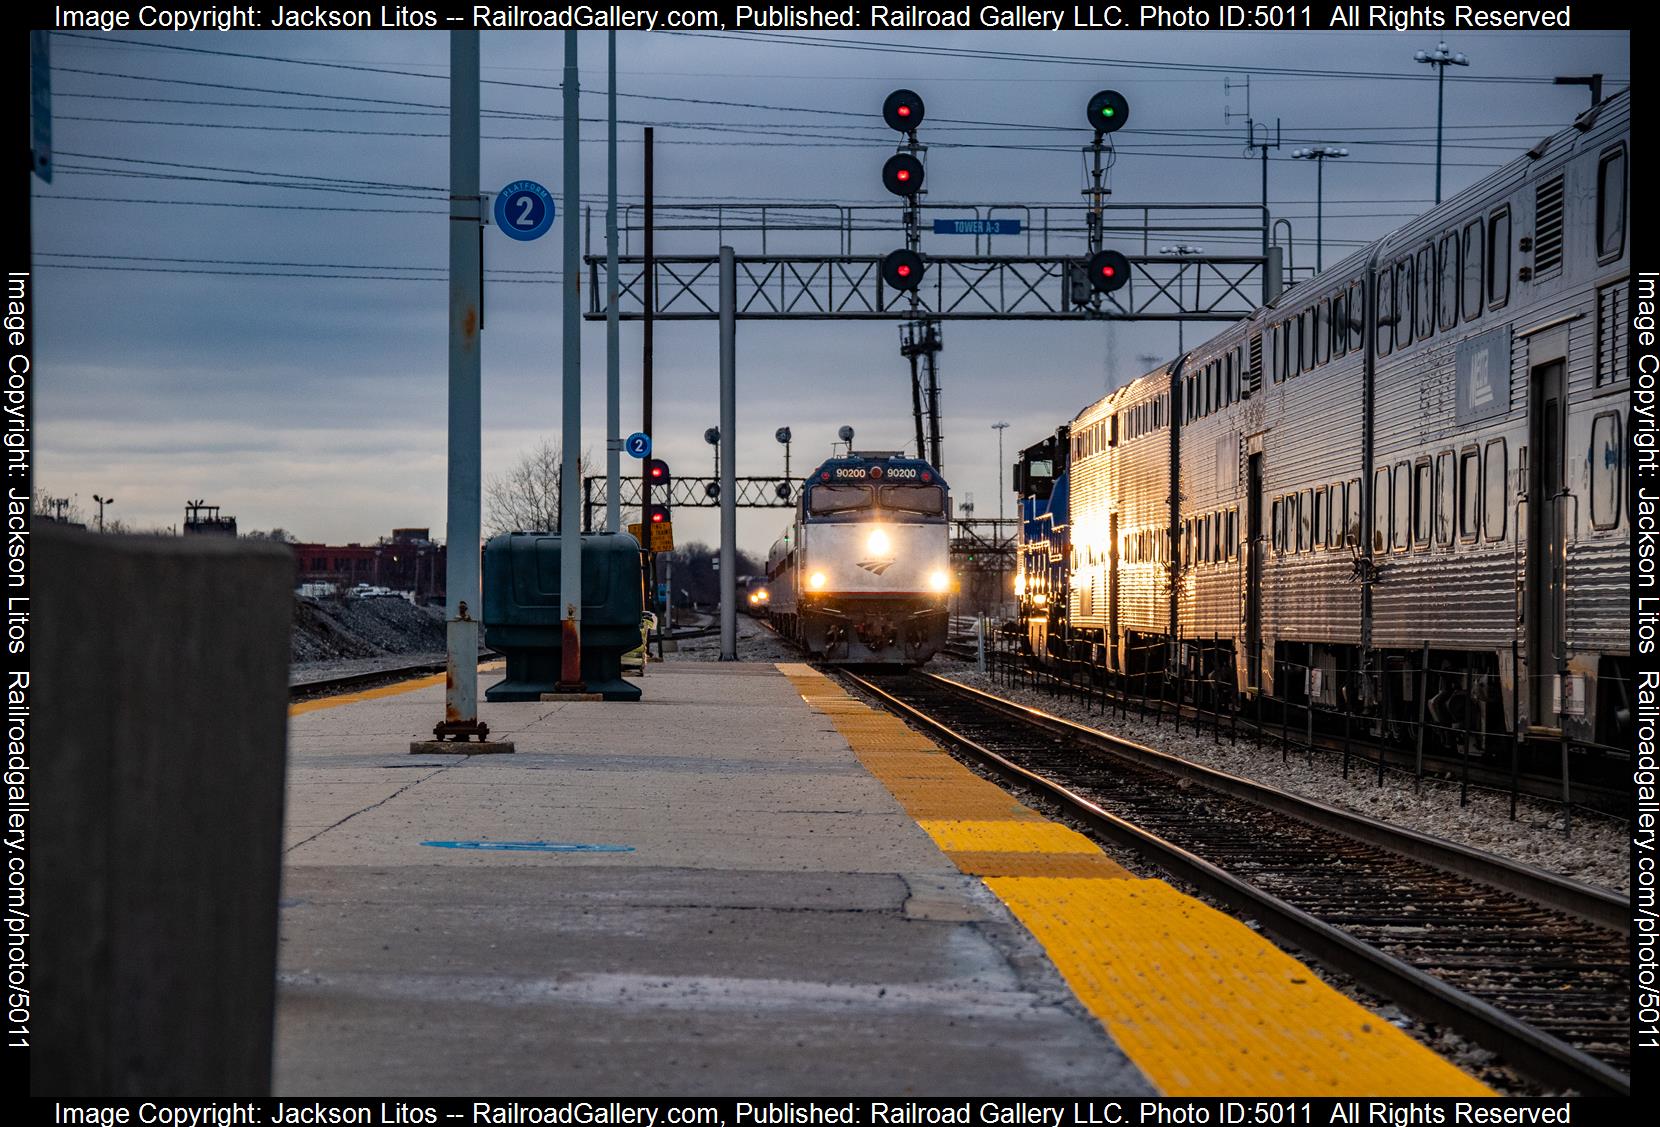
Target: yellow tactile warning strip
[1201,1003]
[305,706]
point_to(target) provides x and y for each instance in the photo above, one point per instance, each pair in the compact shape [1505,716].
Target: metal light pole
[102,501]
[1320,154]
[1440,59]
[999,428]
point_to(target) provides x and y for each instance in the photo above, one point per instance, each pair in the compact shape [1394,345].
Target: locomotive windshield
[928,500]
[838,498]
[845,497]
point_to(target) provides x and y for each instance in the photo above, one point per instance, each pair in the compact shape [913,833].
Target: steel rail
[1536,1052]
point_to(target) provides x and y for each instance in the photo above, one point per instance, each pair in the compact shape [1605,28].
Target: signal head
[711,490]
[657,514]
[903,110]
[1108,111]
[1108,271]
[782,434]
[903,269]
[902,175]
[657,471]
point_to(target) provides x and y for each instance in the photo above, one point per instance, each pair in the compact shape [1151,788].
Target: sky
[240,263]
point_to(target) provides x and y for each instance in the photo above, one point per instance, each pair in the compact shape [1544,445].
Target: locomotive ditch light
[903,110]
[903,270]
[1108,271]
[1108,111]
[902,175]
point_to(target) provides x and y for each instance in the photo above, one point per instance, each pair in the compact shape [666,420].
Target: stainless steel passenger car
[1399,488]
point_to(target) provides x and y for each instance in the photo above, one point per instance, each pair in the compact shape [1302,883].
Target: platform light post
[102,501]
[1440,58]
[1320,154]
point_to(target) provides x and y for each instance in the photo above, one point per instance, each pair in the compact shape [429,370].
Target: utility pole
[999,428]
[1270,286]
[613,322]
[570,501]
[1440,59]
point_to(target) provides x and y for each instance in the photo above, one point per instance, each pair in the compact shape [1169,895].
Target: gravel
[1596,852]
[327,630]
[755,643]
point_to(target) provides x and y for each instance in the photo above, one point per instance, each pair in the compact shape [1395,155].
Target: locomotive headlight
[1042,600]
[1020,584]
[939,580]
[878,543]
[816,580]
[761,596]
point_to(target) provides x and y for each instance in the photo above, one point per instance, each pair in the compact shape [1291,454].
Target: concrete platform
[772,922]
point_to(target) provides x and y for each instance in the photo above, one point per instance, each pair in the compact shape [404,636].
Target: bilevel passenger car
[863,573]
[1403,476]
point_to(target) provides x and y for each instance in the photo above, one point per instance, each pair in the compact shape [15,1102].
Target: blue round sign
[524,210]
[638,444]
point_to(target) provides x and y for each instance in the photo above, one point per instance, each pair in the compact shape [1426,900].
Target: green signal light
[1106,112]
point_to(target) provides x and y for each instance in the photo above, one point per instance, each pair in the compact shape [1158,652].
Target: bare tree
[281,535]
[526,497]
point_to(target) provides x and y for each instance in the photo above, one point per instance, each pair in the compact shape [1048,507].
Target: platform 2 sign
[662,537]
[524,210]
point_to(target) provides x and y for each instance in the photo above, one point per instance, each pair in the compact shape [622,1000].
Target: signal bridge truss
[690,492]
[788,287]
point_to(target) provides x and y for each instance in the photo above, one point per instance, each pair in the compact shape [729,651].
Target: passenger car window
[1357,315]
[1386,312]
[1471,273]
[1448,293]
[1498,258]
[1605,471]
[1611,203]
[1421,499]
[1322,331]
[1404,298]
[1425,308]
[1380,510]
[1445,493]
[1469,494]
[1494,507]
[1400,508]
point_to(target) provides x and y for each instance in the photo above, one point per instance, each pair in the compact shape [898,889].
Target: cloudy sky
[240,262]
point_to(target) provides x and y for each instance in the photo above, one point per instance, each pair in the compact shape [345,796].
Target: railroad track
[389,676]
[1525,963]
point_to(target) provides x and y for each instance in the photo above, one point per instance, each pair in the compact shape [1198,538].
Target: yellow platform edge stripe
[1202,1004]
[300,708]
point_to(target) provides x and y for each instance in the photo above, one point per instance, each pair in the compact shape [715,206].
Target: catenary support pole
[570,516]
[461,574]
[729,455]
[613,324]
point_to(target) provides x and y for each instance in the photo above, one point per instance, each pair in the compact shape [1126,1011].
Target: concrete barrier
[159,669]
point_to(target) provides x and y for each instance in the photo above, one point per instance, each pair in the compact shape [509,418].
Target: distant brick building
[406,561]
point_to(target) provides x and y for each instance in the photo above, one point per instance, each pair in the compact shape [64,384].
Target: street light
[1182,250]
[1320,154]
[102,501]
[1440,59]
[999,428]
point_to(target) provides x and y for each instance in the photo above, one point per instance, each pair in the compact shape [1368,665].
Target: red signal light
[902,175]
[903,111]
[657,517]
[903,270]
[1107,271]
